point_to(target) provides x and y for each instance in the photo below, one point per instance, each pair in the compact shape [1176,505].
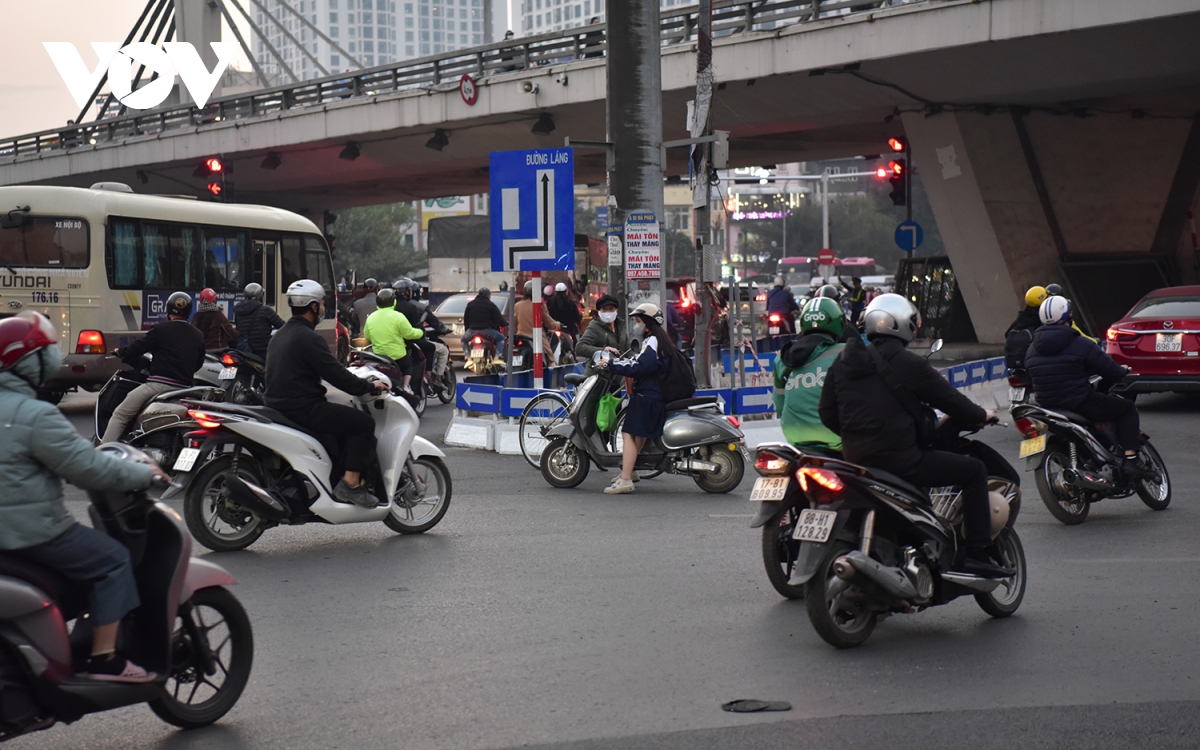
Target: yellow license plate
[1033,446]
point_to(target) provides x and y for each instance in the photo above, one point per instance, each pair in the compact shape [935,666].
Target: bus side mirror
[13,220]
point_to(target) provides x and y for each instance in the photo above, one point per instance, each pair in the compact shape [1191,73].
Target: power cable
[266,43]
[282,28]
[262,77]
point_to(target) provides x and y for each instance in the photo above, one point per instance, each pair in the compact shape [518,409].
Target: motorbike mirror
[935,347]
[600,356]
[635,346]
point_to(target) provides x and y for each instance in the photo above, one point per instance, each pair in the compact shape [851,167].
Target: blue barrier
[514,400]
[755,400]
[724,398]
[767,359]
[477,397]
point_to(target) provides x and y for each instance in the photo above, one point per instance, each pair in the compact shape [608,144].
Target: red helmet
[24,334]
[207,296]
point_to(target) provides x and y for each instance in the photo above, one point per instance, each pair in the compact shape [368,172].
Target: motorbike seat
[684,403]
[574,378]
[71,597]
[1078,419]
[904,484]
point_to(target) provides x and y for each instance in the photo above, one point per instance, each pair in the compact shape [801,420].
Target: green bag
[606,412]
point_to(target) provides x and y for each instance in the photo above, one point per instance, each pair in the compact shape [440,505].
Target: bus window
[223,261]
[48,242]
[320,269]
[292,260]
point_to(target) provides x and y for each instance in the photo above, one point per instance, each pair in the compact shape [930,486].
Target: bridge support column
[198,22]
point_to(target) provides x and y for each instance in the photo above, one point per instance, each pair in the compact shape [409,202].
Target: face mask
[608,317]
[637,331]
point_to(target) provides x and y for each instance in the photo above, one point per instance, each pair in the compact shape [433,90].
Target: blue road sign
[724,398]
[602,218]
[475,397]
[909,236]
[514,400]
[533,210]
[754,400]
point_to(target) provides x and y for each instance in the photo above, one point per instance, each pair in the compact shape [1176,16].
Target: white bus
[101,262]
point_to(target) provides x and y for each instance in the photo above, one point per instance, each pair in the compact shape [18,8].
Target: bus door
[266,252]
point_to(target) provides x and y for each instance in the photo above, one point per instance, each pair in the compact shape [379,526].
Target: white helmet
[560,287]
[304,292]
[1055,309]
[891,315]
[648,310]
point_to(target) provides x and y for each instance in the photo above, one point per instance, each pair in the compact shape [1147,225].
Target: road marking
[731,515]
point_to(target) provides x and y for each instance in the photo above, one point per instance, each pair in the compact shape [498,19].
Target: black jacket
[178,350]
[565,311]
[297,360]
[1018,337]
[875,427]
[482,315]
[254,322]
[1059,363]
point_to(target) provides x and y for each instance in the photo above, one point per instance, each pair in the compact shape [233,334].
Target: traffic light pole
[908,170]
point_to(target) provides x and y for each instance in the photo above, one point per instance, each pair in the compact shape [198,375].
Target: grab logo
[807,380]
[173,58]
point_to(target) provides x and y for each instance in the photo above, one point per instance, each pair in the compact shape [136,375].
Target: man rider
[781,302]
[892,430]
[364,305]
[523,314]
[1020,334]
[800,371]
[255,321]
[1060,362]
[482,318]
[605,331]
[387,329]
[178,350]
[436,353]
[298,359]
[564,309]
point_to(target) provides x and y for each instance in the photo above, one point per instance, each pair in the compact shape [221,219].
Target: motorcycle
[1078,462]
[697,441]
[1020,388]
[443,387]
[562,346]
[481,356]
[243,376]
[189,629]
[859,544]
[388,368]
[249,468]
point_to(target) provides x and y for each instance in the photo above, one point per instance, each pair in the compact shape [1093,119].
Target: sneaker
[619,487]
[979,563]
[617,478]
[359,496]
[1139,468]
[114,668]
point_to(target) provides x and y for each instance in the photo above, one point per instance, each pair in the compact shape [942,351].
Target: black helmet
[179,304]
[830,291]
[254,291]
[404,288]
[1054,290]
[386,297]
[370,284]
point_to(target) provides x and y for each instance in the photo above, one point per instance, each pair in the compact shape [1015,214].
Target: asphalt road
[566,618]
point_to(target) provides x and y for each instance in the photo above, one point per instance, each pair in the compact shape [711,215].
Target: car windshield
[457,304]
[1168,307]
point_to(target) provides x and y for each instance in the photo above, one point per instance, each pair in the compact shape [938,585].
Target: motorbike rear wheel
[1156,495]
[217,617]
[1067,508]
[779,552]
[207,510]
[449,383]
[1003,600]
[838,610]
[733,468]
[404,517]
[563,464]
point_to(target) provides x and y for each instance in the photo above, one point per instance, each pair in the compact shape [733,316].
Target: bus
[100,262]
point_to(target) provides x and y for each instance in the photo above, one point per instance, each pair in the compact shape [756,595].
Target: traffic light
[215,168]
[899,145]
[897,171]
[216,189]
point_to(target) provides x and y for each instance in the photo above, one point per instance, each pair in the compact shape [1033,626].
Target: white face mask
[608,317]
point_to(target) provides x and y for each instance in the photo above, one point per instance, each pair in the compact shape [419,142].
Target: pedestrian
[219,333]
[593,41]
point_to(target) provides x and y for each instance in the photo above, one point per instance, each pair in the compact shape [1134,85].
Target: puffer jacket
[38,449]
[1060,361]
[255,322]
[800,371]
[597,336]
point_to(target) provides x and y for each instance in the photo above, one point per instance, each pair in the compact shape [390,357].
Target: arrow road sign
[533,210]
[909,236]
[473,397]
[754,400]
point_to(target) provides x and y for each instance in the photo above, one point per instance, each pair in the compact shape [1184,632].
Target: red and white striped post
[537,329]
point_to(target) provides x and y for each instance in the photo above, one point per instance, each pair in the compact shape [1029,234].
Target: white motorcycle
[249,468]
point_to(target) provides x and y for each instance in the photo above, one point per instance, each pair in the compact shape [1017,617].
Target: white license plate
[815,526]
[187,459]
[1168,342]
[227,373]
[773,330]
[457,328]
[477,353]
[1016,395]
[1032,446]
[518,360]
[769,489]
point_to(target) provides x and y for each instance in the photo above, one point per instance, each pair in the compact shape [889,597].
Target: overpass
[1048,133]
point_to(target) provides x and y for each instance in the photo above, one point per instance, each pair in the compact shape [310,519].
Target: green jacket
[597,336]
[38,449]
[800,372]
[387,329]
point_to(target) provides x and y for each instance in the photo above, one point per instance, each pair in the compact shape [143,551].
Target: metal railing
[678,26]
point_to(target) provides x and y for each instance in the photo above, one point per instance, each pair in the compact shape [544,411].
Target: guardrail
[678,26]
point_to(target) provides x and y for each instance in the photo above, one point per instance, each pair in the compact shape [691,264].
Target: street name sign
[533,210]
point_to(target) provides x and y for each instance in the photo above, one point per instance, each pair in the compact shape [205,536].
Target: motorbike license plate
[773,330]
[1168,342]
[814,526]
[769,489]
[227,373]
[187,459]
[477,353]
[1016,395]
[518,360]
[1032,446]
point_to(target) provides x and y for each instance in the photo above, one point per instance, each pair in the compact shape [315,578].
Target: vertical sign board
[642,246]
[533,210]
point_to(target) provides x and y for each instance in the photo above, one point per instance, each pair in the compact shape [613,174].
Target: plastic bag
[606,412]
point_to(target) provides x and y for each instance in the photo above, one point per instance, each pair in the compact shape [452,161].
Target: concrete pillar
[198,22]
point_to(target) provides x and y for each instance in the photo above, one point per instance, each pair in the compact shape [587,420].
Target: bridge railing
[678,26]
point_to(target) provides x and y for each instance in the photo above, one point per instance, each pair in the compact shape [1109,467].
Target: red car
[1159,339]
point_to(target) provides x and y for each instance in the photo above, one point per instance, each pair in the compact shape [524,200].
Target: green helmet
[822,314]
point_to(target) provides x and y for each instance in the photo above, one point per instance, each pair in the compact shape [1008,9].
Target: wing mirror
[934,348]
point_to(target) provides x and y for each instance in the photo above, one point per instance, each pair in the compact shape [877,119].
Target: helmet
[891,315]
[648,310]
[560,287]
[779,281]
[404,288]
[1035,296]
[386,297]
[180,304]
[370,284]
[207,296]
[821,314]
[528,290]
[1053,290]
[548,291]
[829,291]
[304,292]
[24,334]
[1055,309]
[254,291]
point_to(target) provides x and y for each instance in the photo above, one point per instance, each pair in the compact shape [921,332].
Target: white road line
[731,515]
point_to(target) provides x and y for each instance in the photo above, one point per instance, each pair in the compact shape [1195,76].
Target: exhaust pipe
[892,580]
[695,464]
[255,499]
[1085,480]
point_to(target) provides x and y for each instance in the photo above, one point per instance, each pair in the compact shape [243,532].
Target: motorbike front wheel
[216,521]
[838,610]
[191,697]
[779,551]
[1068,508]
[414,511]
[728,476]
[563,464]
[1003,600]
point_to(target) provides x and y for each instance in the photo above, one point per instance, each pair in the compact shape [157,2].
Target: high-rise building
[540,16]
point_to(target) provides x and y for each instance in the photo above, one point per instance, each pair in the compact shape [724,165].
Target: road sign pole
[537,328]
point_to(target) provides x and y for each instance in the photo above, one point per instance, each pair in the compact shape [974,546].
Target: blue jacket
[38,449]
[1060,361]
[647,371]
[781,301]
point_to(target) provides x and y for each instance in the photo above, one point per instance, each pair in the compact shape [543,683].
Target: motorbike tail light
[205,419]
[685,302]
[770,464]
[823,477]
[1029,427]
[734,421]
[228,360]
[773,317]
[1016,381]
[1114,334]
[477,340]
[90,342]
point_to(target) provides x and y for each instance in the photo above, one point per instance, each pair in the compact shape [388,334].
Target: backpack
[1016,344]
[680,382]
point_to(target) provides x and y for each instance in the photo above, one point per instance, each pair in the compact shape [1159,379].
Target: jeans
[356,427]
[490,333]
[123,415]
[84,554]
[941,468]
[1099,407]
[441,358]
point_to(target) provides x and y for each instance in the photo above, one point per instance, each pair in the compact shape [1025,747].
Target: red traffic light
[881,172]
[215,188]
[896,167]
[214,165]
[897,144]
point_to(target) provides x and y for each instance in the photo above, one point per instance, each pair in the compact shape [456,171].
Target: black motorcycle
[189,629]
[443,387]
[859,544]
[244,375]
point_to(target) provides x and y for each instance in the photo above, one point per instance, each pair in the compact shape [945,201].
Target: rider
[891,426]
[38,449]
[387,329]
[365,305]
[218,333]
[605,331]
[298,359]
[781,302]
[1056,290]
[255,321]
[178,350]
[483,318]
[800,371]
[523,314]
[418,315]
[564,309]
[1019,335]
[1060,364]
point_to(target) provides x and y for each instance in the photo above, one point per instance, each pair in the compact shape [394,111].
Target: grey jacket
[38,449]
[597,336]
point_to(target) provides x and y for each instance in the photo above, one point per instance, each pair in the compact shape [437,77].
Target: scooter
[388,368]
[443,387]
[243,376]
[189,629]
[481,356]
[697,441]
[562,345]
[249,468]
